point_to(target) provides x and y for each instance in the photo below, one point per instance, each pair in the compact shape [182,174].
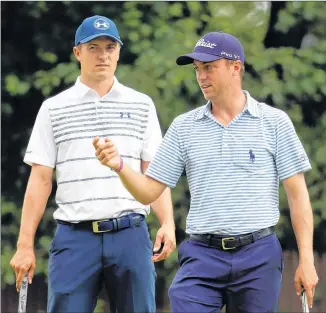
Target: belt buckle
[223,243]
[95,227]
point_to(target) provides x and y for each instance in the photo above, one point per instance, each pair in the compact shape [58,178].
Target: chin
[207,97]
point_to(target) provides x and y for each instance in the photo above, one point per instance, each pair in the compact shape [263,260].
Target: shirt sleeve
[41,148]
[168,163]
[153,135]
[290,157]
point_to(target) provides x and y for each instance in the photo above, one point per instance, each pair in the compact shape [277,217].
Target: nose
[103,55]
[102,60]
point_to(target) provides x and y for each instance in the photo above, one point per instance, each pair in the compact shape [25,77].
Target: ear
[77,53]
[119,52]
[236,69]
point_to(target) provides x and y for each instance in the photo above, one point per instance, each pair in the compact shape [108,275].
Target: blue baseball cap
[96,26]
[214,46]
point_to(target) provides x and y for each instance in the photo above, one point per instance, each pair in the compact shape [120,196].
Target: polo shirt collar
[81,89]
[251,107]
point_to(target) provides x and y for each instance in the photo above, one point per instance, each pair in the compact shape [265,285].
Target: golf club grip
[23,295]
[304,302]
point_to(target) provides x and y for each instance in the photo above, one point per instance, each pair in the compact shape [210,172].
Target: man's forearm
[163,208]
[36,197]
[302,222]
[144,189]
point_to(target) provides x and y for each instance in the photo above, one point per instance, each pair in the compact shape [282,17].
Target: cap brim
[201,57]
[89,38]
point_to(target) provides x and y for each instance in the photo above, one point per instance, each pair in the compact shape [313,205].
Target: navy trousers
[80,261]
[246,280]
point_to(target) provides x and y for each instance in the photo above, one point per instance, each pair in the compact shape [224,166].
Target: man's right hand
[107,153]
[22,262]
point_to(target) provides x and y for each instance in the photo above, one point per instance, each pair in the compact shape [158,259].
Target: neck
[102,87]
[229,104]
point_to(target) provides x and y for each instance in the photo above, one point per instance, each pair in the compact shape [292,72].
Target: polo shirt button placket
[98,118]
[96,108]
[223,143]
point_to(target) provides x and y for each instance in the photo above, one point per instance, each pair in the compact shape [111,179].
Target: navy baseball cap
[96,26]
[214,46]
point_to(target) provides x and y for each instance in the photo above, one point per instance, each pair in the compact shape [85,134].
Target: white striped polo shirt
[233,172]
[62,138]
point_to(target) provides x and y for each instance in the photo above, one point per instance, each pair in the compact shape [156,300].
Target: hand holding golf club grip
[306,279]
[107,153]
[22,262]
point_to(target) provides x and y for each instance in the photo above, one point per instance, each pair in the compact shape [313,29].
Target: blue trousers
[81,261]
[246,280]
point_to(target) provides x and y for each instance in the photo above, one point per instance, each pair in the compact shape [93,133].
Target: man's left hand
[306,277]
[165,235]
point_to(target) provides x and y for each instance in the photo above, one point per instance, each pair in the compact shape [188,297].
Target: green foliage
[9,211]
[46,81]
[15,86]
[47,56]
[99,306]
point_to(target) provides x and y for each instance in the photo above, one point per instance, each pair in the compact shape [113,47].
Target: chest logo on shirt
[304,157]
[124,115]
[252,156]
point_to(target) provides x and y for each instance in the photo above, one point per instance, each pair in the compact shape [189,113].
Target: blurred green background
[285,47]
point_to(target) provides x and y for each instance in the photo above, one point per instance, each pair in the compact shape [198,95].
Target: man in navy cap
[234,150]
[101,235]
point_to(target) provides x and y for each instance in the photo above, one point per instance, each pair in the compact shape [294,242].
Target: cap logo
[203,43]
[230,55]
[101,24]
[227,54]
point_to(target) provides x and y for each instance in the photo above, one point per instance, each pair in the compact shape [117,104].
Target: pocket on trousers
[182,250]
[281,253]
[51,246]
[52,243]
[60,236]
[144,235]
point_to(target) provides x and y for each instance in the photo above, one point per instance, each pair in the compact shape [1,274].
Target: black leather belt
[232,242]
[112,224]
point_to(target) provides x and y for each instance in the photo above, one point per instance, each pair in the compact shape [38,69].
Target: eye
[208,67]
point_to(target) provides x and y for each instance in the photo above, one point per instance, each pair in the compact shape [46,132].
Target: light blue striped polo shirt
[233,172]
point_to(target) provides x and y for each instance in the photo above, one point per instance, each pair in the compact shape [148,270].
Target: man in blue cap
[101,235]
[234,150]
